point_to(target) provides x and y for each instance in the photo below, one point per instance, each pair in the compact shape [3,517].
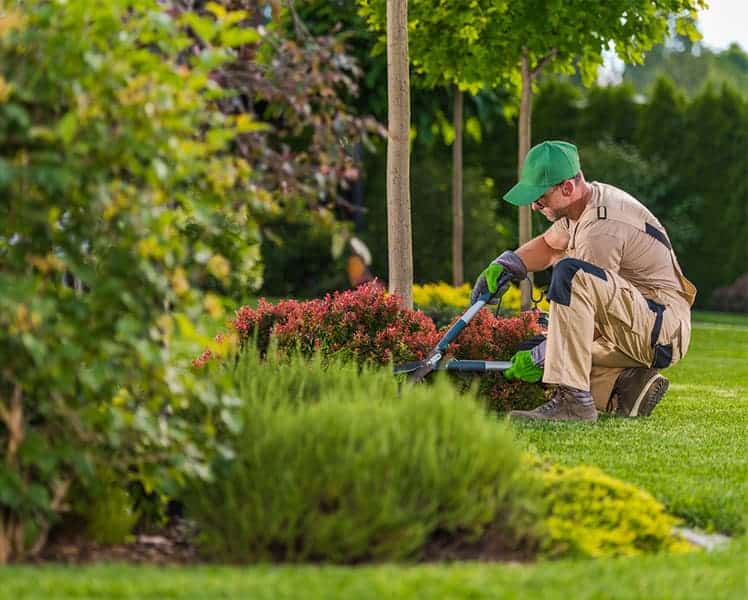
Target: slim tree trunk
[458,276]
[400,245]
[525,215]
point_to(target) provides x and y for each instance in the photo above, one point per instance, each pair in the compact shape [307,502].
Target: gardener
[620,304]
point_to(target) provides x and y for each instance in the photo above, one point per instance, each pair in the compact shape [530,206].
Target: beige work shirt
[622,248]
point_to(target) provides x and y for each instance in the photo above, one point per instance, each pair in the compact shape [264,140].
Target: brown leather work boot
[637,391]
[564,405]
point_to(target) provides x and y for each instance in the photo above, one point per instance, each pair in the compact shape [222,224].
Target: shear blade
[408,367]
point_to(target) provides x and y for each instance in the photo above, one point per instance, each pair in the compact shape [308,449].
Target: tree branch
[543,62]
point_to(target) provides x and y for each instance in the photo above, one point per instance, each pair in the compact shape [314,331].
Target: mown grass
[720,574]
[692,452]
[705,316]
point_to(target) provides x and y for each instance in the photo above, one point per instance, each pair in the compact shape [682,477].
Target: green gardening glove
[492,273]
[488,281]
[524,368]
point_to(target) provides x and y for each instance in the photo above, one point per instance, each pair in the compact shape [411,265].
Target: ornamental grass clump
[335,464]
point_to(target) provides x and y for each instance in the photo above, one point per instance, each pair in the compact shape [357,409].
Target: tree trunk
[458,276]
[525,214]
[275,8]
[400,245]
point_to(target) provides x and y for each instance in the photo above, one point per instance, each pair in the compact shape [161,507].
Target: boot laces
[552,404]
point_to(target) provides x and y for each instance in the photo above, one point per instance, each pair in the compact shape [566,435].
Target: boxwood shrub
[593,514]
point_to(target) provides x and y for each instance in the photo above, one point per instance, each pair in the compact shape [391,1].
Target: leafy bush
[369,326]
[120,200]
[338,464]
[593,514]
[732,298]
[489,337]
[111,516]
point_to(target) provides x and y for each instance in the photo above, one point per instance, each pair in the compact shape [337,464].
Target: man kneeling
[620,304]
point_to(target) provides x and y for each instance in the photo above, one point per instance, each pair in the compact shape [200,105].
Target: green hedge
[339,465]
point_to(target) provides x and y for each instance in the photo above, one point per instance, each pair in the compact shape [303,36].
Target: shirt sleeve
[557,235]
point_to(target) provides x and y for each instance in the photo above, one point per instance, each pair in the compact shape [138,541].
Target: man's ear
[567,187]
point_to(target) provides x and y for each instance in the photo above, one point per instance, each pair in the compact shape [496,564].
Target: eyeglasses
[542,202]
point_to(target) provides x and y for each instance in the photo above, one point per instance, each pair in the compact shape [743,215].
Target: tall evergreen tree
[661,124]
[715,166]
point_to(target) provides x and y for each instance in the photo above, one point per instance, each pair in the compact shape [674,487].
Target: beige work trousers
[600,326]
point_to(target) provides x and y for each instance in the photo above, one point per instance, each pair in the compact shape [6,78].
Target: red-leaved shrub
[489,337]
[368,325]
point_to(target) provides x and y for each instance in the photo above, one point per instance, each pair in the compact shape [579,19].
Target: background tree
[569,36]
[456,45]
[400,237]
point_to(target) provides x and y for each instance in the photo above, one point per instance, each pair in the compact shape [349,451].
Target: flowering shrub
[444,295]
[369,326]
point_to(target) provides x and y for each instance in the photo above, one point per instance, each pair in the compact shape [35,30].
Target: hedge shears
[418,369]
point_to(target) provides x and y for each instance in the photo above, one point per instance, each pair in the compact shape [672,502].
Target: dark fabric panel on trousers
[663,356]
[658,309]
[564,271]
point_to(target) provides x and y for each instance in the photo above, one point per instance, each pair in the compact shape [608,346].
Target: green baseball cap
[545,165]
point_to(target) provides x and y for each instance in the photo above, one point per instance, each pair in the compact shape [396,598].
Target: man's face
[553,203]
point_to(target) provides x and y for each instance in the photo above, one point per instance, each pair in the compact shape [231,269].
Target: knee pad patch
[564,271]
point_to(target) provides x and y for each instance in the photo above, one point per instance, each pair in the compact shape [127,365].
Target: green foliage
[593,514]
[116,176]
[459,42]
[610,113]
[485,235]
[714,167]
[662,122]
[649,181]
[298,255]
[339,465]
[556,110]
[110,517]
[691,67]
[477,43]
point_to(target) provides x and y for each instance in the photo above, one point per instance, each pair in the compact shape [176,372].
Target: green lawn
[692,453]
[720,574]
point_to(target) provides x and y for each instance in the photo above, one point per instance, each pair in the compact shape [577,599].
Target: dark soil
[493,546]
[175,545]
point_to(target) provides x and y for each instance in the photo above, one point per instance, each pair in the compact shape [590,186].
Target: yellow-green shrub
[593,514]
[444,295]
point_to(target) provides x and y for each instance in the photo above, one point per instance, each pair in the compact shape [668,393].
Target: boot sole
[650,396]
